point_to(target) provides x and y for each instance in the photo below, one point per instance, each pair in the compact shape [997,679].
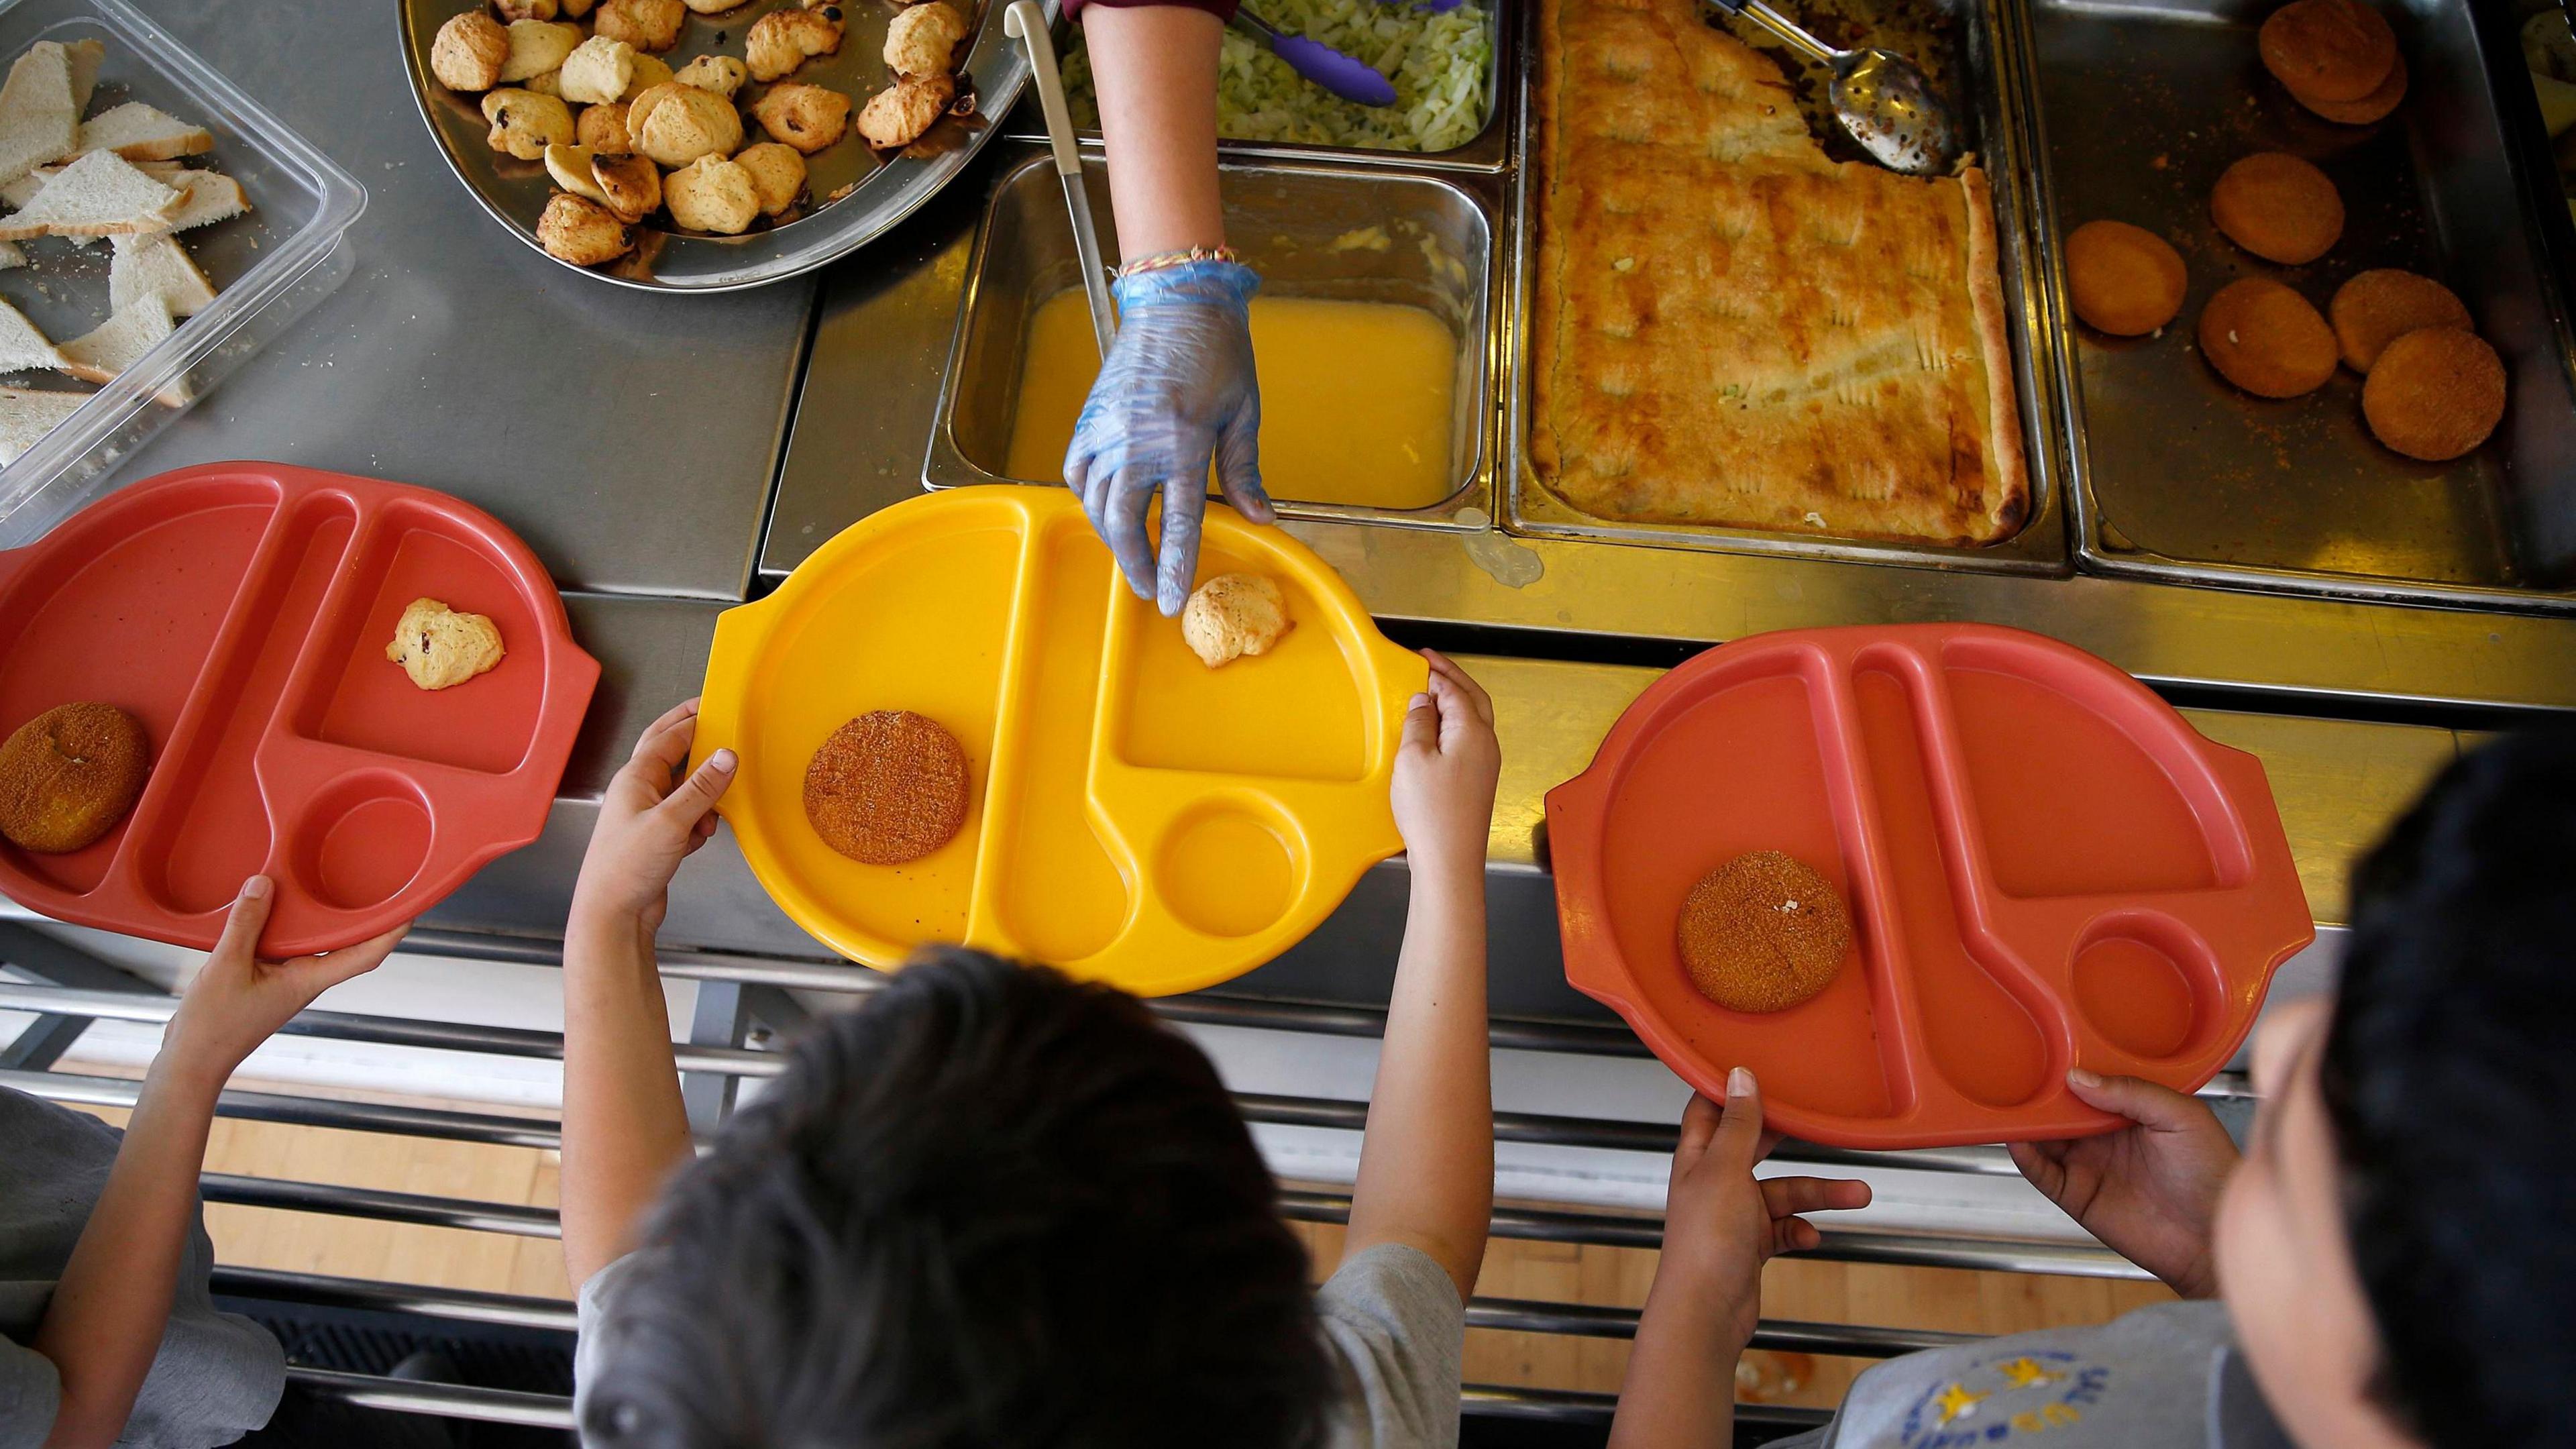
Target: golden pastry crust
[437,646]
[69,775]
[1732,329]
[469,52]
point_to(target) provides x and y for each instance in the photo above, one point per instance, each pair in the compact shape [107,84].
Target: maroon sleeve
[1221,9]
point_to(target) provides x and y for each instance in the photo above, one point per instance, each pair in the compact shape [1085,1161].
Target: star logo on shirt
[2022,1373]
[1955,1402]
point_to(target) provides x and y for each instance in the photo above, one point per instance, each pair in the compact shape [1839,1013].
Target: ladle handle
[1782,26]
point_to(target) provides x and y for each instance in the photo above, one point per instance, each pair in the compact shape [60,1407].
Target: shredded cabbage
[1438,64]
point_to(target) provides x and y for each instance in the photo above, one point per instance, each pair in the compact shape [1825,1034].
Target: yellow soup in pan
[1356,398]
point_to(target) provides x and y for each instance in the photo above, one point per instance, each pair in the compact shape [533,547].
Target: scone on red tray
[441,648]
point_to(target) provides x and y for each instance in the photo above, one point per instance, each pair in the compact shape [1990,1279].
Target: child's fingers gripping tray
[2043,866]
[251,618]
[1127,810]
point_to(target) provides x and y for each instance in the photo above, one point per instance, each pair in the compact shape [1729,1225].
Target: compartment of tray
[2179,475]
[1411,240]
[1962,43]
[70,629]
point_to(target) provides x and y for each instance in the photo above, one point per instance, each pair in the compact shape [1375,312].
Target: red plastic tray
[241,612]
[2046,867]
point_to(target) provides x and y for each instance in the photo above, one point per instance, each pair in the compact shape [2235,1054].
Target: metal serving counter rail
[709,1073]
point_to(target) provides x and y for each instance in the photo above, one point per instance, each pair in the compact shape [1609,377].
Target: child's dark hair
[2450,1078]
[992,1206]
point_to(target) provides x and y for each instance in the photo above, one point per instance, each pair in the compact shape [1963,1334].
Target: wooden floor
[1935,1298]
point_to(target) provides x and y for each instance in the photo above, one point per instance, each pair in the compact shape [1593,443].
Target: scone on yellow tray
[1232,615]
[441,648]
[1733,329]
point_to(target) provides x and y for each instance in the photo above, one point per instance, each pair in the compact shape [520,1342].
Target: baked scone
[536,47]
[921,40]
[603,129]
[650,71]
[886,788]
[524,123]
[1763,932]
[630,186]
[711,194]
[569,168]
[469,52]
[2333,50]
[68,775]
[2278,207]
[781,40]
[2267,339]
[2435,393]
[437,646]
[598,71]
[777,169]
[721,74]
[2123,279]
[2379,306]
[1731,328]
[676,124]
[811,118]
[1233,615]
[645,24]
[515,10]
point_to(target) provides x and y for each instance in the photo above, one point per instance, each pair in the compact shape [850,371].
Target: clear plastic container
[269,266]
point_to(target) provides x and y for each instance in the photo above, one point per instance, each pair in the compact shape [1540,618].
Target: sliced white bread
[115,344]
[204,196]
[11,256]
[38,120]
[23,190]
[101,194]
[83,57]
[156,265]
[139,132]
[27,415]
[22,346]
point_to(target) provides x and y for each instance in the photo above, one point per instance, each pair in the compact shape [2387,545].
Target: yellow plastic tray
[1139,818]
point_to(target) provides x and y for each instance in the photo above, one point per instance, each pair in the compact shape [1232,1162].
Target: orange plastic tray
[2046,867]
[241,612]
[1139,818]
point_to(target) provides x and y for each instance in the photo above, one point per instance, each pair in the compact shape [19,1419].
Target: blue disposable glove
[1176,389]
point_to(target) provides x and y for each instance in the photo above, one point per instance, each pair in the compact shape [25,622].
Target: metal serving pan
[1973,50]
[1418,239]
[881,190]
[2178,475]
[1489,150]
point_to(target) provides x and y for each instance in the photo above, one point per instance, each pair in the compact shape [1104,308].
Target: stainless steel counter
[630,439]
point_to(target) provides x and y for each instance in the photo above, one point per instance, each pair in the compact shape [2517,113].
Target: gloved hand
[1176,388]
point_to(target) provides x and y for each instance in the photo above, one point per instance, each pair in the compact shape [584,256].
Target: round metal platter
[853,194]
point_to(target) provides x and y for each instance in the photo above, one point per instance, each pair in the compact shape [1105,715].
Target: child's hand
[1721,1224]
[648,825]
[239,1001]
[1445,769]
[2148,1191]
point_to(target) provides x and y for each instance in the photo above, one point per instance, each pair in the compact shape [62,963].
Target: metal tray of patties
[1415,239]
[2179,476]
[1974,52]
[853,194]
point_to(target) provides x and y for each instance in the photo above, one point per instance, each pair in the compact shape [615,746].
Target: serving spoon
[1881,98]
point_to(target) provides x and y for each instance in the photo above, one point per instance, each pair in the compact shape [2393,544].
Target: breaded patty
[886,788]
[1763,932]
[69,775]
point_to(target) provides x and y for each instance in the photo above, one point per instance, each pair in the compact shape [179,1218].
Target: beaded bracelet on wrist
[1159,261]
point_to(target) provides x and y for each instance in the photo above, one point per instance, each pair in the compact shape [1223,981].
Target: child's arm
[105,1321]
[1427,1165]
[2148,1191]
[1721,1224]
[624,1129]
